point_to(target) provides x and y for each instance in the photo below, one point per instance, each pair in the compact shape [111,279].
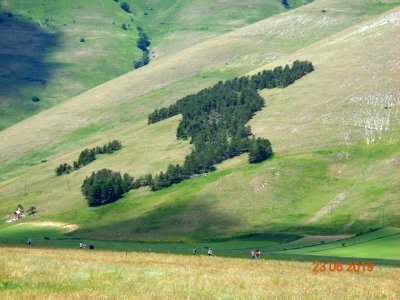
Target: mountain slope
[322,153]
[58,49]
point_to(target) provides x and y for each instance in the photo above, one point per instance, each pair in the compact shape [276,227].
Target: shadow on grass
[24,71]
[179,221]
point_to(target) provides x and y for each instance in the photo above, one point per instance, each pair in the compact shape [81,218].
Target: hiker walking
[258,254]
[252,254]
[210,252]
[194,251]
[29,242]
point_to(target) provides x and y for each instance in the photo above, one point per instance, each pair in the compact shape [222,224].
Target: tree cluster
[87,156]
[63,169]
[105,186]
[143,43]
[215,121]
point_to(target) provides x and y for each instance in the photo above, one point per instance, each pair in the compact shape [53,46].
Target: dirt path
[68,227]
[327,208]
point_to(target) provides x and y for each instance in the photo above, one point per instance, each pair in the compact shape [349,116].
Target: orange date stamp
[338,266]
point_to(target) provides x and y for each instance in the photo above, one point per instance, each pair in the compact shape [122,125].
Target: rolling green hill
[334,133]
[43,54]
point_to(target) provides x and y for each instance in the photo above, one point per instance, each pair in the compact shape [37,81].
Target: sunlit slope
[290,192]
[177,24]
[118,101]
[58,49]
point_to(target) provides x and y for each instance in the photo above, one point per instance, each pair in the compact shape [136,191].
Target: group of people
[17,215]
[254,254]
[209,252]
[83,246]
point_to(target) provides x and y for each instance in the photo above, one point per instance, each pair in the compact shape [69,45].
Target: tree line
[143,43]
[87,156]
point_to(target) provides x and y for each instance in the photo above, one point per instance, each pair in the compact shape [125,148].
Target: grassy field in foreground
[61,274]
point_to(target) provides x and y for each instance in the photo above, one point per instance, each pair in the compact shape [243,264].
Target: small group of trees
[63,169]
[143,43]
[215,122]
[105,186]
[87,156]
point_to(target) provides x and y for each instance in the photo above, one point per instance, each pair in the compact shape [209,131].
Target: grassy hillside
[43,54]
[336,144]
[175,25]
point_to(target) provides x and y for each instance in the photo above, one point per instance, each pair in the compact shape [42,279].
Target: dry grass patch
[65,274]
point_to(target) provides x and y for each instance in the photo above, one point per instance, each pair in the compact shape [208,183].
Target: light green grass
[25,231]
[384,243]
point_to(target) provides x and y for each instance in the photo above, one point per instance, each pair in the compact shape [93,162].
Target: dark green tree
[260,150]
[126,7]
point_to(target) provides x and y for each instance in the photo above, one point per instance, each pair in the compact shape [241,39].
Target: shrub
[35,99]
[32,210]
[125,6]
[124,27]
[260,150]
[82,40]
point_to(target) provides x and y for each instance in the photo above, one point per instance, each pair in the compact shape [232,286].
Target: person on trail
[29,242]
[252,254]
[210,252]
[258,254]
[194,251]
[80,245]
